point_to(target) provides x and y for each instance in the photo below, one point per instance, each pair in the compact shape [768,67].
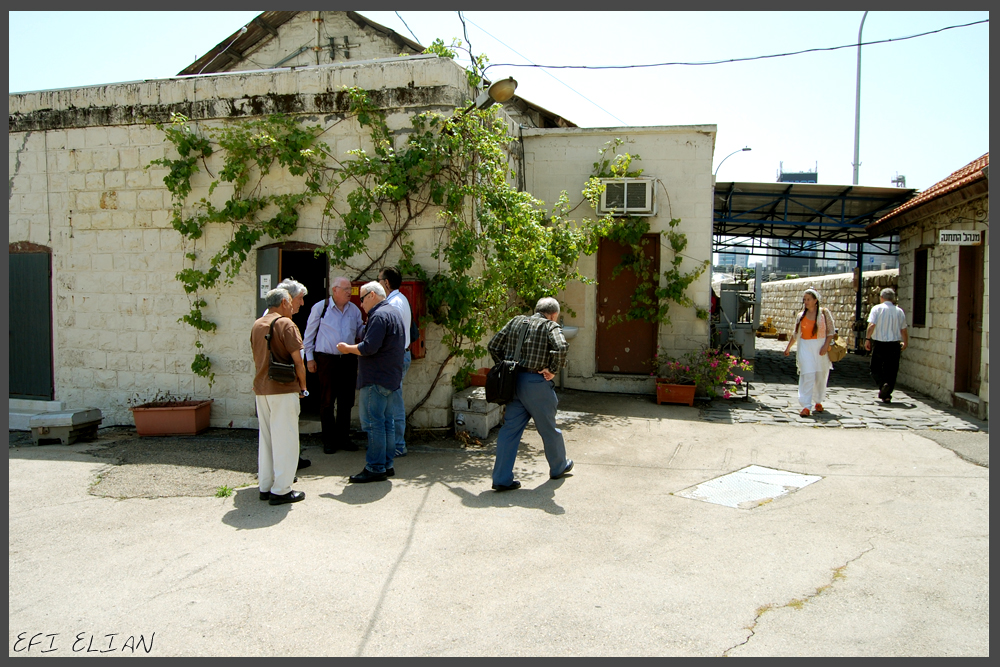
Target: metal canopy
[808,216]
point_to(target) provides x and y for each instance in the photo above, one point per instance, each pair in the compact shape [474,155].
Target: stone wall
[80,187]
[366,43]
[929,363]
[781,300]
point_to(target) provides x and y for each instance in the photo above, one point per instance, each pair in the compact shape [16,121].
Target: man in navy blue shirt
[380,373]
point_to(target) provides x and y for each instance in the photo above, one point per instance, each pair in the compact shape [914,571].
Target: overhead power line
[737,60]
[550,74]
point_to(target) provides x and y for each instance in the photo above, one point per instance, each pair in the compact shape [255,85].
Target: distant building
[797,176]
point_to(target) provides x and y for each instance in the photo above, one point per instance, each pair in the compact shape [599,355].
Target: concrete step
[22,410]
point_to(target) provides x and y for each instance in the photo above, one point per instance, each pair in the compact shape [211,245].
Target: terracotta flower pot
[674,393]
[173,418]
[478,378]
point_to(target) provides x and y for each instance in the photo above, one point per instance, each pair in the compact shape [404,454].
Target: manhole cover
[749,487]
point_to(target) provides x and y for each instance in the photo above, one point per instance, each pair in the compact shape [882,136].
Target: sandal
[804,413]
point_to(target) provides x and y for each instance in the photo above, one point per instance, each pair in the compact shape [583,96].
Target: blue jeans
[398,409]
[376,421]
[534,398]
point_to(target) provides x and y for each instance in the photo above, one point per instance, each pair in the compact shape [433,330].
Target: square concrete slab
[749,487]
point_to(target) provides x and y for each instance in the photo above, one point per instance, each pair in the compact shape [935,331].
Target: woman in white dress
[814,335]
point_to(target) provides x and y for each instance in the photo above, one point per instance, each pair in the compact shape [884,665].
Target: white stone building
[944,284]
[96,255]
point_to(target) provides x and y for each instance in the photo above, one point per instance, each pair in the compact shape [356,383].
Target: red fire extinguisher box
[414,292]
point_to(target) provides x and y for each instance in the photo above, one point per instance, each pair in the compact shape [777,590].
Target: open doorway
[295,260]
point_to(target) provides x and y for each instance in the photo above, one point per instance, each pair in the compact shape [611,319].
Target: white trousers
[278,444]
[812,388]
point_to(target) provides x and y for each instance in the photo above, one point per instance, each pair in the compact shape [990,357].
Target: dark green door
[30,340]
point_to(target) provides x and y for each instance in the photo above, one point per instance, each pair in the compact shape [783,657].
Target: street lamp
[501,91]
[857,106]
[745,148]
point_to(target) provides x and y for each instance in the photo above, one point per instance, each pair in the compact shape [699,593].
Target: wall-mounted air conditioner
[627,196]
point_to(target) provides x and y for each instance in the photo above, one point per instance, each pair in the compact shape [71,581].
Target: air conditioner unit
[627,196]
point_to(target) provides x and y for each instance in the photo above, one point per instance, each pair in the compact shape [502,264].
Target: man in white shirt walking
[391,279]
[331,321]
[887,338]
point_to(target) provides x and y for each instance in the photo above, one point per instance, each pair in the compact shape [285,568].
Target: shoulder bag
[837,349]
[276,370]
[502,378]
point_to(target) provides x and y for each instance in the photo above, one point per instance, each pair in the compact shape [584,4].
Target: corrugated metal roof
[967,175]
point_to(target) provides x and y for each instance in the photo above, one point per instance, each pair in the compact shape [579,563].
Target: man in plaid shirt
[542,354]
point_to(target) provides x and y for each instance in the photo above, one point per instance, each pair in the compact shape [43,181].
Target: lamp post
[501,91]
[745,148]
[857,106]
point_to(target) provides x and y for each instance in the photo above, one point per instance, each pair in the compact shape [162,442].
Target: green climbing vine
[498,249]
[652,297]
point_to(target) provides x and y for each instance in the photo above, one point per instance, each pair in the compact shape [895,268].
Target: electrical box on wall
[414,291]
[627,196]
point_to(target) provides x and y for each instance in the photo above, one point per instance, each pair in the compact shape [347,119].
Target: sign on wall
[959,237]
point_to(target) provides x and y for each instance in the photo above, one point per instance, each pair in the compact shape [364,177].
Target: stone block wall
[80,186]
[366,43]
[781,300]
[928,365]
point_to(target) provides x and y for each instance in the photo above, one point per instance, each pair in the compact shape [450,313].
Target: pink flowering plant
[713,372]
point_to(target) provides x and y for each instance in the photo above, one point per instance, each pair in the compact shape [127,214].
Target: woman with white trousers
[814,335]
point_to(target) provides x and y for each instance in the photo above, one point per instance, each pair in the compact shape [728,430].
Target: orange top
[808,329]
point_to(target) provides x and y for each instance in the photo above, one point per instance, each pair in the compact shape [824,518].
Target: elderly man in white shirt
[887,338]
[391,279]
[331,321]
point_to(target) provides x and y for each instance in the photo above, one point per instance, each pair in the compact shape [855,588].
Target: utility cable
[408,28]
[737,60]
[549,73]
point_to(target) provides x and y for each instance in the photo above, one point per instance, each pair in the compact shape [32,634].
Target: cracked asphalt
[887,554]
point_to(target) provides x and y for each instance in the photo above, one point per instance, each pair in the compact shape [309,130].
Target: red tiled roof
[968,174]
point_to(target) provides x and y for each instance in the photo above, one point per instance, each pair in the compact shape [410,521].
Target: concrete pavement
[888,554]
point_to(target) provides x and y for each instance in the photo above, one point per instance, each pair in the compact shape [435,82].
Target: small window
[920,288]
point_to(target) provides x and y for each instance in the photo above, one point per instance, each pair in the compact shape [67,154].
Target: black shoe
[265,495]
[507,487]
[390,472]
[883,392]
[330,449]
[304,463]
[290,497]
[367,475]
[569,466]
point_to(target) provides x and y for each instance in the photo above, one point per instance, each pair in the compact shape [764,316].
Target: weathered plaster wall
[367,43]
[929,363]
[680,159]
[79,184]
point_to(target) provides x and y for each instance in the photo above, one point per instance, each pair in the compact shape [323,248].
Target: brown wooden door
[624,347]
[969,336]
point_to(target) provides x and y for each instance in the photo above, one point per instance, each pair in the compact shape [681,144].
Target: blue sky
[924,101]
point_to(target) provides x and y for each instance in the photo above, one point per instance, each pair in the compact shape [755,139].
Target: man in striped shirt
[542,354]
[887,338]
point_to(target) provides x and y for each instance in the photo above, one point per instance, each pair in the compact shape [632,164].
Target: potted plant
[707,372]
[717,373]
[675,383]
[165,414]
